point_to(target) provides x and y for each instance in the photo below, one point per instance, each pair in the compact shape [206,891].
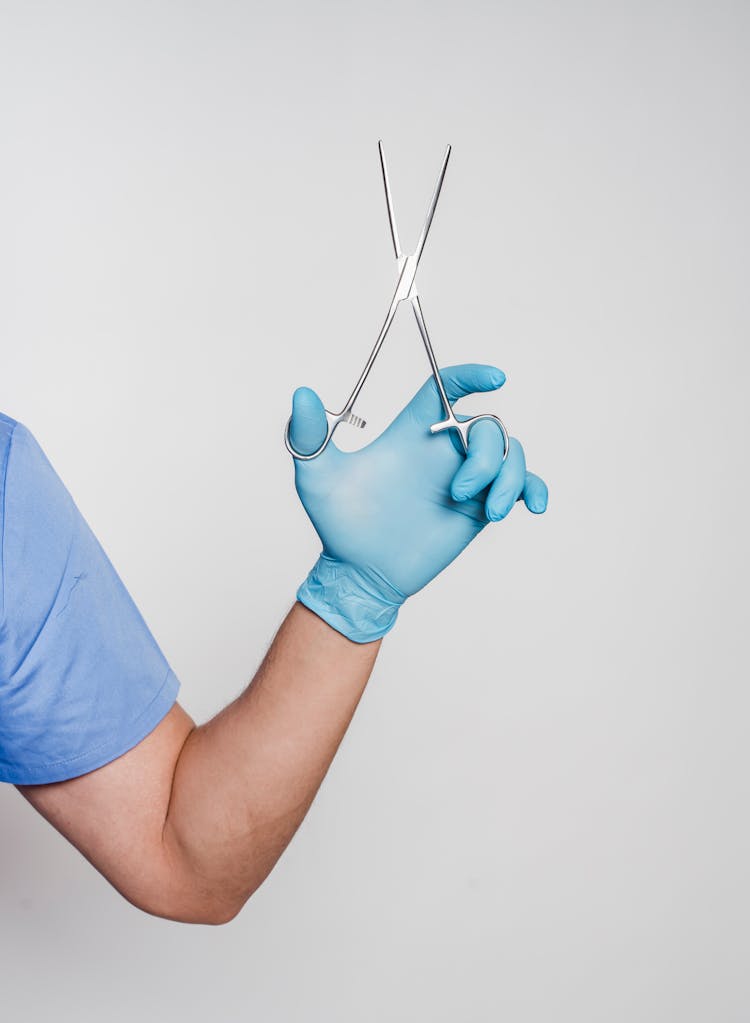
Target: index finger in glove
[458,381]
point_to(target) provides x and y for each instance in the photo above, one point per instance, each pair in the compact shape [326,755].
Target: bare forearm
[189,822]
[244,781]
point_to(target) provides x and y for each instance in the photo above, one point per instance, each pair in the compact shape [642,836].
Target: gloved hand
[395,513]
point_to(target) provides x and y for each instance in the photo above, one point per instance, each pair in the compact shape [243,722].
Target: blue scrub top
[82,680]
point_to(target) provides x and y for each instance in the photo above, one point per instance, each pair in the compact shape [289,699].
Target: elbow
[207,914]
[212,906]
[191,904]
[206,911]
[178,890]
[210,916]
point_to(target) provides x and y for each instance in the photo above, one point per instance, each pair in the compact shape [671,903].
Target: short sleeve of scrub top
[82,680]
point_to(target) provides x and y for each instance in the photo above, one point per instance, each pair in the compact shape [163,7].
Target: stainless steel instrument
[406,290]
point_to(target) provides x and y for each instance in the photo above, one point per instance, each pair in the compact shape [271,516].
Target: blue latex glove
[395,513]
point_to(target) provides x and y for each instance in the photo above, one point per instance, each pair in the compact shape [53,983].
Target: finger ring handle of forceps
[346,415]
[462,428]
[332,419]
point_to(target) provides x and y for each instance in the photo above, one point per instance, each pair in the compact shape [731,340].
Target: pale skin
[191,821]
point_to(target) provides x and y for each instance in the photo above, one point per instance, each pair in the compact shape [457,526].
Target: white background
[540,811]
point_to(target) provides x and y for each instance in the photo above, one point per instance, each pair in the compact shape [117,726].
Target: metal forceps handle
[404,288]
[462,427]
[346,415]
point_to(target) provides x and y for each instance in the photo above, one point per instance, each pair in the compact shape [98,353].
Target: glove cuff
[359,603]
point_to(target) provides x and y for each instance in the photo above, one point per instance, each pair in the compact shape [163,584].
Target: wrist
[360,603]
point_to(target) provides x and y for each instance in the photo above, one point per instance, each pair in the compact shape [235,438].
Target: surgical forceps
[406,289]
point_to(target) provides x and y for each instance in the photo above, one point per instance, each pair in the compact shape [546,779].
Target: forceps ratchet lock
[406,290]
